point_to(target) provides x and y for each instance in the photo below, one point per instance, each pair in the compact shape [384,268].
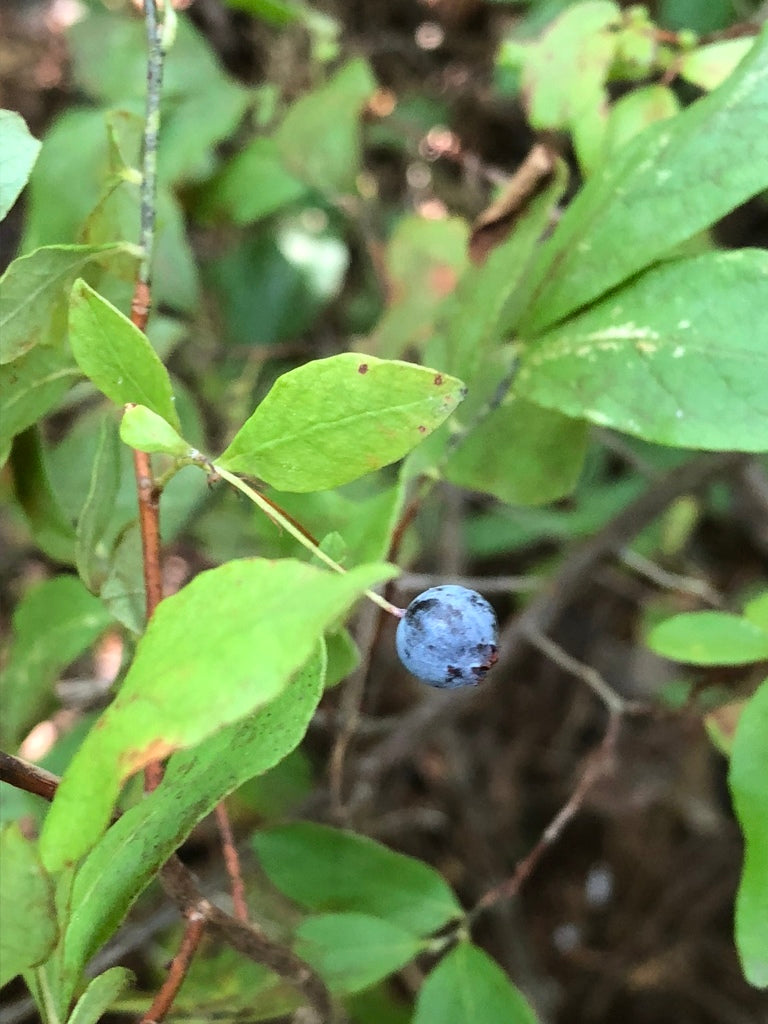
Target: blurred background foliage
[320,168]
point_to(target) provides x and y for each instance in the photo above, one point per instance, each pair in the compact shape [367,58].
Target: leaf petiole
[282,521]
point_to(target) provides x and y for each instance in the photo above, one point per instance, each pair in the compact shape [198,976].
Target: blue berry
[448,637]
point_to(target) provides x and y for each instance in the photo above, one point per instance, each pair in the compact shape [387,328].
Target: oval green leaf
[468,986]
[319,140]
[143,429]
[53,624]
[224,646]
[522,454]
[100,995]
[29,930]
[353,951]
[326,869]
[333,420]
[34,291]
[30,387]
[132,851]
[677,356]
[17,157]
[116,355]
[749,787]
[709,638]
[709,66]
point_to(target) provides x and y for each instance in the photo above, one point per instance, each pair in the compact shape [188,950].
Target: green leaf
[98,507]
[18,152]
[636,111]
[333,420]
[580,43]
[253,185]
[198,109]
[343,656]
[696,16]
[424,261]
[709,638]
[353,951]
[100,995]
[52,625]
[676,356]
[379,1005]
[51,528]
[280,791]
[143,429]
[75,150]
[175,277]
[747,781]
[319,138]
[521,454]
[132,851]
[756,611]
[274,12]
[468,986]
[28,929]
[325,869]
[29,388]
[123,591]
[709,66]
[34,290]
[116,355]
[218,650]
[366,525]
[272,285]
[656,192]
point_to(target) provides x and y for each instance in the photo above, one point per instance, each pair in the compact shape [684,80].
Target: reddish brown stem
[149,523]
[232,862]
[22,775]
[180,965]
[141,303]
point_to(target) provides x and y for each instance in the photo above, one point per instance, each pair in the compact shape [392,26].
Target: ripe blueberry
[448,637]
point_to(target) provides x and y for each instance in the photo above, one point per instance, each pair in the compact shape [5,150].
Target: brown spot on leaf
[442,280]
[362,368]
[438,379]
[132,760]
[422,429]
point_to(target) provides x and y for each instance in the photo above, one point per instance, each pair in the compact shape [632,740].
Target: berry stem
[280,520]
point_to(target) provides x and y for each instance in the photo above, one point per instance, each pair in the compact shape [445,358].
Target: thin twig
[22,774]
[599,764]
[273,512]
[350,712]
[177,972]
[179,883]
[612,700]
[667,580]
[232,862]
